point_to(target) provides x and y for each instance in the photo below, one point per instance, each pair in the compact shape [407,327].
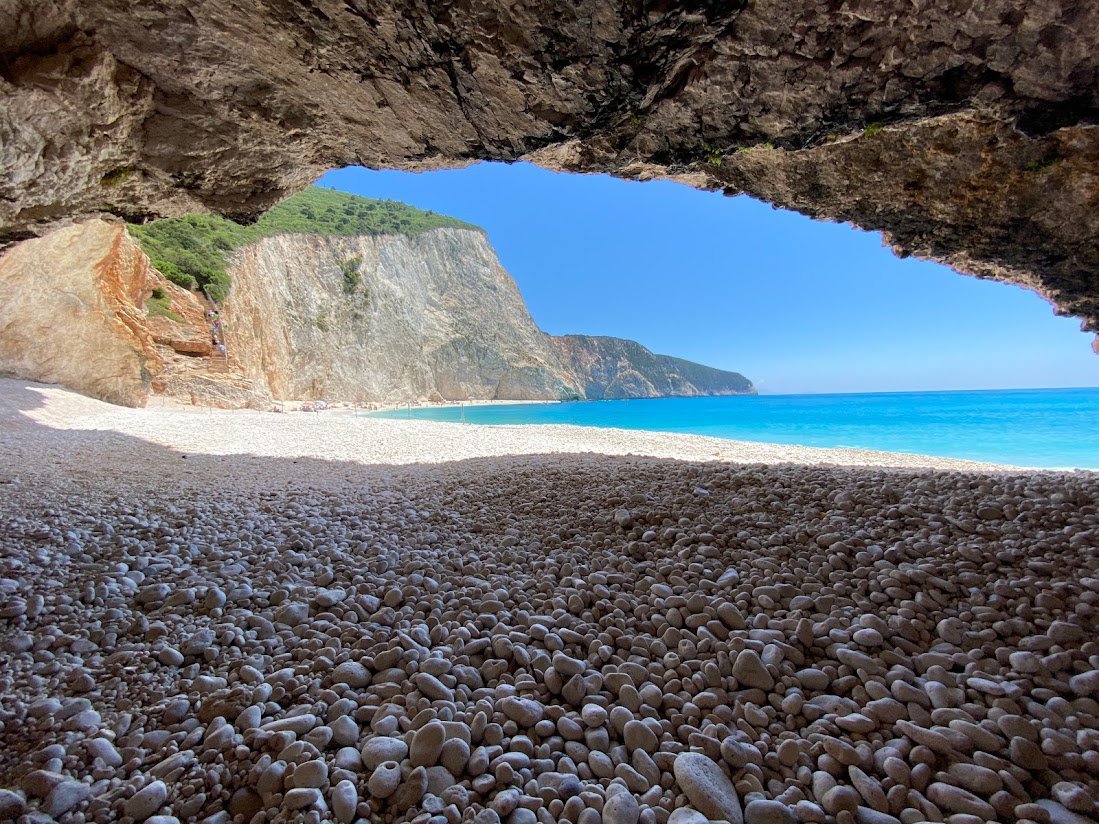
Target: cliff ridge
[329,296]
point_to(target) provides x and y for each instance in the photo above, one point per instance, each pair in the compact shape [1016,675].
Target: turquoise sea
[1047,428]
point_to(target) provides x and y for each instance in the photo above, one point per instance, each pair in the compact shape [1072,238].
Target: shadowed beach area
[236,616]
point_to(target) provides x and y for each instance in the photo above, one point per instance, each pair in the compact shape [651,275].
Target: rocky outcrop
[608,368]
[76,312]
[69,313]
[427,317]
[964,130]
[434,316]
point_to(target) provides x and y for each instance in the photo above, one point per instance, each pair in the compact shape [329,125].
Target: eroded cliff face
[69,313]
[608,368]
[75,312]
[964,130]
[433,316]
[385,318]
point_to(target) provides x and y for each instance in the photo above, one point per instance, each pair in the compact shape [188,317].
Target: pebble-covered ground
[568,638]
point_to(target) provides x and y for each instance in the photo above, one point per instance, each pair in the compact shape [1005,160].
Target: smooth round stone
[345,801]
[622,808]
[433,688]
[301,797]
[427,744]
[506,801]
[1085,684]
[214,598]
[104,750]
[788,752]
[383,782]
[856,722]
[385,726]
[292,614]
[345,732]
[749,671]
[348,758]
[567,666]
[310,774]
[12,805]
[351,673]
[382,748]
[523,711]
[760,811]
[245,802]
[593,715]
[812,679]
[707,787]
[66,795]
[957,800]
[522,815]
[687,815]
[638,736]
[866,815]
[146,801]
[867,637]
[455,755]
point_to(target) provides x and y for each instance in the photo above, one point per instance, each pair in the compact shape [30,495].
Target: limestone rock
[435,317]
[708,788]
[74,313]
[895,116]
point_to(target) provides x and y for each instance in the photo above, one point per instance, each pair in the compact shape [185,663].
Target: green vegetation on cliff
[193,251]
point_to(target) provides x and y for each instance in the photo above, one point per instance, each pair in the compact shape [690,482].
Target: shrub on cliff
[194,251]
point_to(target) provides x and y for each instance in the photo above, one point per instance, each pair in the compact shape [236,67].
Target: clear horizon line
[918,391]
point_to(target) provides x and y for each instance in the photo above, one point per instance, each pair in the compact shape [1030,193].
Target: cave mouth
[800,305]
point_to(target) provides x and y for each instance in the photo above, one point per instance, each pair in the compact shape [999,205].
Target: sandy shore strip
[371,441]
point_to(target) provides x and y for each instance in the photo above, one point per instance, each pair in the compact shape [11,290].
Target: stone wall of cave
[965,131]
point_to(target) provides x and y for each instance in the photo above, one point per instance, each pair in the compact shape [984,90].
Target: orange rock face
[75,313]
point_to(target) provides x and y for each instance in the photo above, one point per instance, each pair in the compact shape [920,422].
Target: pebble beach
[233,617]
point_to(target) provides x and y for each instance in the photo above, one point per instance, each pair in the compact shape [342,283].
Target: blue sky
[796,305]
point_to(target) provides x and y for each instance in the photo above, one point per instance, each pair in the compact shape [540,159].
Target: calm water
[1051,428]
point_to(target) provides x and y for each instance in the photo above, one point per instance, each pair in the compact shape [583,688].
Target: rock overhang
[965,132]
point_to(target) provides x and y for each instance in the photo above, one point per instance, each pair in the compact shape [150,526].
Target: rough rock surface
[433,317]
[987,159]
[74,313]
[616,368]
[70,314]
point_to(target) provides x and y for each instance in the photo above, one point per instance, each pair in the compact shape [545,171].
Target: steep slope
[84,308]
[616,368]
[428,316]
[69,313]
[329,297]
[432,316]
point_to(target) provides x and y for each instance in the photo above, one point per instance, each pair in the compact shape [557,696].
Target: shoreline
[163,568]
[48,415]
